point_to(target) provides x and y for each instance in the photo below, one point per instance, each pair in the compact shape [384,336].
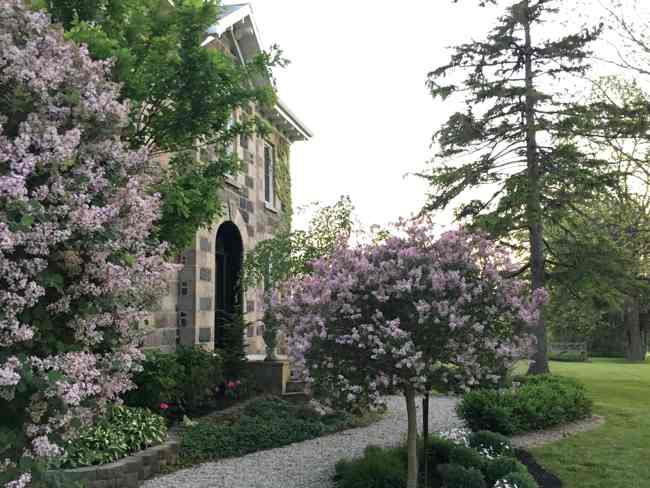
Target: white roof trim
[228,22]
[295,122]
[231,19]
[207,41]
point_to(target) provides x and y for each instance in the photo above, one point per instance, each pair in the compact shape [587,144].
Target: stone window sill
[234,183]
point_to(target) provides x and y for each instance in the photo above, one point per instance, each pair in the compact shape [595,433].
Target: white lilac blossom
[506,484]
[457,436]
[79,268]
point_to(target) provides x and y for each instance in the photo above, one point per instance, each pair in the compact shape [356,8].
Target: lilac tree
[405,314]
[78,269]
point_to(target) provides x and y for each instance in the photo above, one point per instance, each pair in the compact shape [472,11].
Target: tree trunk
[425,437]
[411,440]
[634,333]
[539,363]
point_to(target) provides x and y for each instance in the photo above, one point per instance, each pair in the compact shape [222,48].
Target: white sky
[357,79]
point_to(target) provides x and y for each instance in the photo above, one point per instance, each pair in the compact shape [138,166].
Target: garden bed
[455,459]
[263,423]
[128,472]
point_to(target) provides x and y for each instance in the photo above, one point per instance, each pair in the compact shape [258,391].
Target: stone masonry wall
[125,473]
[186,314]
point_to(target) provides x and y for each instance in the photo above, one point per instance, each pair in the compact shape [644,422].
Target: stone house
[202,294]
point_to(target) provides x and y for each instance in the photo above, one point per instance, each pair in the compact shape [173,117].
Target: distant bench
[568,351]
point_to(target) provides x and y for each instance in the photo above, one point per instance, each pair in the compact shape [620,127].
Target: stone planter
[270,376]
[129,472]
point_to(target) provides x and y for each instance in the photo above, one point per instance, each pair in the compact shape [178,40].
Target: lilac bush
[409,313]
[78,270]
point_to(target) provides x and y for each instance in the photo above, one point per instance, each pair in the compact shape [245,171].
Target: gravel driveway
[308,464]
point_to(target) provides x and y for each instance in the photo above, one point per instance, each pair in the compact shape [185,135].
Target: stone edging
[537,439]
[125,473]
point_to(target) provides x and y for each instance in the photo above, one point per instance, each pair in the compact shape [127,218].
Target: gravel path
[308,464]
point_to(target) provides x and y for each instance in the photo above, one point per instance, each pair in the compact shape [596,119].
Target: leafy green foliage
[182,94]
[521,480]
[494,443]
[187,196]
[457,476]
[264,424]
[185,381]
[450,465]
[233,350]
[520,137]
[499,468]
[574,357]
[467,457]
[378,468]
[289,254]
[539,403]
[438,451]
[121,432]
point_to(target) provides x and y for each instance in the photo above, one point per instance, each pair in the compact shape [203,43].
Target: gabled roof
[239,20]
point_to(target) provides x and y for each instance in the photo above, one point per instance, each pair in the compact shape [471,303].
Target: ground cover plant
[538,403]
[264,423]
[119,433]
[615,454]
[457,459]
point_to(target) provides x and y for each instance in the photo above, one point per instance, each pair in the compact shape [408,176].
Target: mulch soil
[545,479]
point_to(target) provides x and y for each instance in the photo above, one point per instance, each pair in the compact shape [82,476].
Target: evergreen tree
[233,349]
[517,134]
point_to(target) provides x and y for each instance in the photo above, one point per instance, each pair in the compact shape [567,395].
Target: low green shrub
[491,443]
[499,468]
[121,432]
[520,480]
[264,424]
[457,476]
[538,403]
[569,356]
[466,457]
[438,450]
[378,468]
[450,465]
[177,383]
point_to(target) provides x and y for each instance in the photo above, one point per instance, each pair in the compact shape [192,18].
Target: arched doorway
[229,251]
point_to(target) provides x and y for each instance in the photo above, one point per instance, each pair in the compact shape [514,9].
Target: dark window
[184,288]
[269,172]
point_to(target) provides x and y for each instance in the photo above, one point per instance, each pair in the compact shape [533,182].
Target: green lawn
[616,455]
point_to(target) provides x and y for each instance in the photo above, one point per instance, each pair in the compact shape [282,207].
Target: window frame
[270,197]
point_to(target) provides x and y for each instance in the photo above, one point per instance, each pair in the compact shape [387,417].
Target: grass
[616,455]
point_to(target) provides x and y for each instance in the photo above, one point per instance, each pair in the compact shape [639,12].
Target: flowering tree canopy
[78,270]
[406,314]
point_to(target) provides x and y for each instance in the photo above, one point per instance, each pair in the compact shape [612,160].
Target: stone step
[296,386]
[296,397]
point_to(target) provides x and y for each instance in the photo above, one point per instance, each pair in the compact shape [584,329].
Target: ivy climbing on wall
[283,180]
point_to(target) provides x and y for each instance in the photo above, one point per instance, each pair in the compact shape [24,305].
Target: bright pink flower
[164,406]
